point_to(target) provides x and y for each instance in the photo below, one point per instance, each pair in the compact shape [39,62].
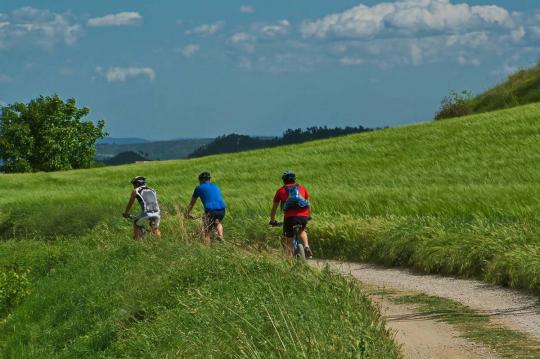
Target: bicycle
[208,227]
[144,229]
[298,247]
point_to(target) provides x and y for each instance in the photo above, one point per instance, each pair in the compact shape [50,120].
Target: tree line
[236,143]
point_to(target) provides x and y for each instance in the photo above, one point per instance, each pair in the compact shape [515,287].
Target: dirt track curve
[426,338]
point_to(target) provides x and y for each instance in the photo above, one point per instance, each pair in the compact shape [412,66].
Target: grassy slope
[455,197]
[106,296]
[522,87]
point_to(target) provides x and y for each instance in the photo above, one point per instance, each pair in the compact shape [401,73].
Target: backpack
[295,200]
[148,199]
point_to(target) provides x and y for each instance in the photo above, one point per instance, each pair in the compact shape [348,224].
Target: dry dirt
[422,337]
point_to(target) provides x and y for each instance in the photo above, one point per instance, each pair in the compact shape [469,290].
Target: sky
[176,69]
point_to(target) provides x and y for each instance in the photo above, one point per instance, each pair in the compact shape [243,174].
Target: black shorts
[290,222]
[214,216]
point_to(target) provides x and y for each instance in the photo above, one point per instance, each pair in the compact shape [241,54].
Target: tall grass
[107,296]
[458,197]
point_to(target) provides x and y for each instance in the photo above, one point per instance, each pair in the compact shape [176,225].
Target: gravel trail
[511,308]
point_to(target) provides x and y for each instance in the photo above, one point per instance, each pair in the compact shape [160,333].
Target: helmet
[288,177]
[138,181]
[204,176]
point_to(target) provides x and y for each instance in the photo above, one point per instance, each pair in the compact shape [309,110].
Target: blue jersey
[210,196]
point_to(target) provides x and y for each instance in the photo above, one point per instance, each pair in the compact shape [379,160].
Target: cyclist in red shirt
[293,199]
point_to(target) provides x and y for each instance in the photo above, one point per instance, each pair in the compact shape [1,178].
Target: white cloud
[206,29]
[122,74]
[241,37]
[406,17]
[247,9]
[125,18]
[471,39]
[42,27]
[190,50]
[350,61]
[518,33]
[272,30]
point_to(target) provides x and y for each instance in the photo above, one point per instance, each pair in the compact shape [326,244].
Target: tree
[47,134]
[455,105]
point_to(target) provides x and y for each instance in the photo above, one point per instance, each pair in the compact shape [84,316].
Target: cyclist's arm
[190,206]
[130,203]
[274,211]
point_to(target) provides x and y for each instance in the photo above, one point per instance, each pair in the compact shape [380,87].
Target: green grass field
[457,197]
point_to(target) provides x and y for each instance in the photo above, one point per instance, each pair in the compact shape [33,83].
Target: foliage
[454,105]
[47,134]
[14,287]
[236,143]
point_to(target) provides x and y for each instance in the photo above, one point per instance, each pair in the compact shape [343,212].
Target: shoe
[309,254]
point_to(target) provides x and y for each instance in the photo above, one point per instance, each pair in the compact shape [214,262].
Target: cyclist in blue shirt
[214,206]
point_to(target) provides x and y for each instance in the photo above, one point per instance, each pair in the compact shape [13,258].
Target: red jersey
[282,195]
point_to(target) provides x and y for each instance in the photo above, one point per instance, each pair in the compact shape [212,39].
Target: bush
[455,105]
[13,289]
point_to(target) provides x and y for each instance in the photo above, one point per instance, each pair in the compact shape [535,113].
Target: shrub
[455,105]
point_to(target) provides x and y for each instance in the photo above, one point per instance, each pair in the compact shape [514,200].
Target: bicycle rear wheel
[301,253]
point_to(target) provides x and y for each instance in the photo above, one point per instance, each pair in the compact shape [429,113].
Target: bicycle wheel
[301,253]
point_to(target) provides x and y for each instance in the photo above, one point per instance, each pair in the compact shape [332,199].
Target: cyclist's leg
[206,228]
[304,236]
[154,224]
[217,220]
[137,232]
[288,232]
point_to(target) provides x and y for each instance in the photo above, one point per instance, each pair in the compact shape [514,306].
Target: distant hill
[237,143]
[158,150]
[121,141]
[124,158]
[520,88]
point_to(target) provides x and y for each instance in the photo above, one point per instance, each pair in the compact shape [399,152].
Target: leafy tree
[47,134]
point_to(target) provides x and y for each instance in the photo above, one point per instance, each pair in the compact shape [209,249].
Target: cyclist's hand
[273,223]
[126,215]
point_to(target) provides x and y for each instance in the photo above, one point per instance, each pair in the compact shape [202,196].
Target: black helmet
[138,181]
[204,176]
[288,177]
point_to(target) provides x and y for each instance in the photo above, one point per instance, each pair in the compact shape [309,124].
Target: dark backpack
[295,200]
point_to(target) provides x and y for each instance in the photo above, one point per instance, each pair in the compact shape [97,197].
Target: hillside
[456,197]
[521,88]
[158,150]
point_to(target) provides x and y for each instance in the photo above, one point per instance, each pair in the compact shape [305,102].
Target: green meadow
[457,197]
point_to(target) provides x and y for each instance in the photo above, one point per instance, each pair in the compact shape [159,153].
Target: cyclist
[214,206]
[293,199]
[147,199]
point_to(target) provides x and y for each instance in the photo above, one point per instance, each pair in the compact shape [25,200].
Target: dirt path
[424,337]
[421,337]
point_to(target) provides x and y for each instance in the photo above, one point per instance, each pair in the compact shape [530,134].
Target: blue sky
[170,69]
